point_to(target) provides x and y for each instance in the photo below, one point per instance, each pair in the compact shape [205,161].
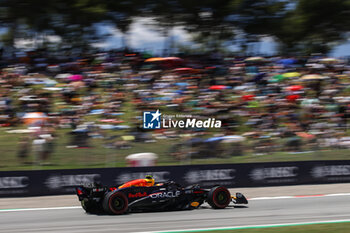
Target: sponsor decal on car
[136,195]
[165,194]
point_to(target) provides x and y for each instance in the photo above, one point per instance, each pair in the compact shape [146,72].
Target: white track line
[337,194]
[269,198]
[250,226]
[250,199]
[47,208]
[300,196]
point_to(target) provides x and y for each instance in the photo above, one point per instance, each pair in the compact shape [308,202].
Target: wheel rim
[118,203]
[221,198]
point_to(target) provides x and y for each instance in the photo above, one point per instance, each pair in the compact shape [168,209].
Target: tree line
[298,26]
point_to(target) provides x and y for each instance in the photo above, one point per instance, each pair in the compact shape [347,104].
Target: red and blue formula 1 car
[160,197]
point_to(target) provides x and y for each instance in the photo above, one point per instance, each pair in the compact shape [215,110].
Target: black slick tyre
[219,197]
[87,206]
[115,203]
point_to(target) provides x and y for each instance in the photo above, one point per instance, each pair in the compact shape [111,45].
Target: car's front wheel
[219,197]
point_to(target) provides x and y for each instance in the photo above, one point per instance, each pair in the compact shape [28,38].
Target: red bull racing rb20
[167,196]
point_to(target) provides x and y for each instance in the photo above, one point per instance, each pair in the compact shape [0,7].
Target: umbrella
[122,127]
[75,77]
[213,139]
[185,70]
[329,60]
[96,111]
[250,133]
[312,77]
[233,138]
[113,121]
[52,88]
[294,88]
[40,81]
[63,76]
[315,66]
[309,102]
[114,113]
[277,78]
[287,61]
[50,83]
[291,74]
[154,59]
[292,97]
[115,127]
[172,59]
[305,135]
[21,131]
[29,98]
[248,97]
[181,84]
[34,118]
[254,59]
[242,87]
[150,72]
[219,87]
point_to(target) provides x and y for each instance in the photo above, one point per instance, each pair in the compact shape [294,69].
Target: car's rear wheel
[219,197]
[87,206]
[115,203]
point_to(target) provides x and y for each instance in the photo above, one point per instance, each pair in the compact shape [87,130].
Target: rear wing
[90,191]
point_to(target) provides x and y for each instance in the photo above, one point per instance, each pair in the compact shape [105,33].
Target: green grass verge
[314,228]
[98,155]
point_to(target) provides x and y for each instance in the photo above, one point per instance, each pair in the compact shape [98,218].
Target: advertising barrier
[56,182]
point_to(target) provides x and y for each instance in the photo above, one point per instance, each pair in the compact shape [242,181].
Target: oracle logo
[165,194]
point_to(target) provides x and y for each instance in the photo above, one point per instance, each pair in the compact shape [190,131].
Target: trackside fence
[56,182]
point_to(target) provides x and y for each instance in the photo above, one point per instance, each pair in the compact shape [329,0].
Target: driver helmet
[149,179]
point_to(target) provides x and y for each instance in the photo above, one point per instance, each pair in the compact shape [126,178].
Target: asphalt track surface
[263,211]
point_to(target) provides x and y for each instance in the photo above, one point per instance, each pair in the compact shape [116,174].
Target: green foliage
[298,25]
[315,26]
